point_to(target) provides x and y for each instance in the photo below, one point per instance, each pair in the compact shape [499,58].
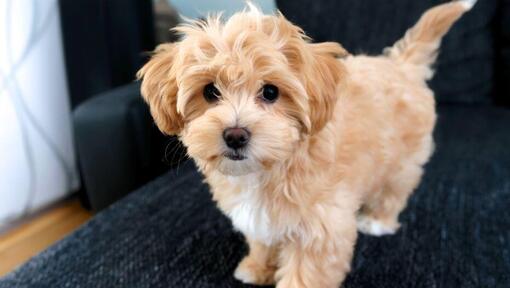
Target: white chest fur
[248,213]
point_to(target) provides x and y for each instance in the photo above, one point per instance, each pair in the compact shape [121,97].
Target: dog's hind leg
[379,215]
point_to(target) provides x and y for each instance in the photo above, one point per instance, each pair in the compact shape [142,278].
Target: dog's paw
[250,272]
[375,227]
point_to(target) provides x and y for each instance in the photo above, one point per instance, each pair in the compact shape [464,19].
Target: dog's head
[242,94]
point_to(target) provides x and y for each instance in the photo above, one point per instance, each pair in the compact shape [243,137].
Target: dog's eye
[270,93]
[211,93]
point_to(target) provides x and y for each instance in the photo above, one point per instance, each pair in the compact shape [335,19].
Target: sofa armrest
[119,147]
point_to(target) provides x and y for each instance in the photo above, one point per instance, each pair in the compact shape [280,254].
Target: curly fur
[340,150]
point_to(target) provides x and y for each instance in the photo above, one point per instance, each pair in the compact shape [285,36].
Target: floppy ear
[322,80]
[159,89]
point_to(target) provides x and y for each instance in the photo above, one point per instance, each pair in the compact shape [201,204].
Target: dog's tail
[420,44]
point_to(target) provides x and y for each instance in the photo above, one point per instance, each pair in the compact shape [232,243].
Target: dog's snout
[236,138]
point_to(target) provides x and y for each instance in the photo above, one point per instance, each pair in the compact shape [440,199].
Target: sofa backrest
[502,43]
[104,43]
[465,71]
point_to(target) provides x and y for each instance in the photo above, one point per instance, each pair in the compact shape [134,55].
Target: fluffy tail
[420,44]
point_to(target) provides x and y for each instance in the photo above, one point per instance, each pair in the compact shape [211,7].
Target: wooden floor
[36,234]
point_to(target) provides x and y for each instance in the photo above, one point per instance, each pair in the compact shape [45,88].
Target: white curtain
[37,162]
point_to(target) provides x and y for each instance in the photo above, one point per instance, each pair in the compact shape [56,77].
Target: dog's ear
[322,79]
[159,89]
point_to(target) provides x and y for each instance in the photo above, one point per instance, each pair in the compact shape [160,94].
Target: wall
[200,8]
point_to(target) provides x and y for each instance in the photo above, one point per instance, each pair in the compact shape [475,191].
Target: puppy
[301,143]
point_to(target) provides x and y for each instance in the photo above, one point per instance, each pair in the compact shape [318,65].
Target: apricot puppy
[301,143]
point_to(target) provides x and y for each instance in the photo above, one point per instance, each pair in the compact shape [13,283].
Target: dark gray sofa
[168,233]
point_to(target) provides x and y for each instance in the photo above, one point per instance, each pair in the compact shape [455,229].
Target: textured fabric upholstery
[465,68]
[455,231]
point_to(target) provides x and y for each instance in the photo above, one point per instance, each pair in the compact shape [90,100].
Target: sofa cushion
[455,230]
[465,68]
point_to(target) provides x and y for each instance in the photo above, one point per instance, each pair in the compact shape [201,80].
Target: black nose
[236,137]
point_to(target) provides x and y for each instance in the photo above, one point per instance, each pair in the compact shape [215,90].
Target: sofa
[168,233]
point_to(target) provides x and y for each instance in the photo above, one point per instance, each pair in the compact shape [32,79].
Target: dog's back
[392,114]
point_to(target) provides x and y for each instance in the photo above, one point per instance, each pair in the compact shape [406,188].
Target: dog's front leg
[320,261]
[259,266]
